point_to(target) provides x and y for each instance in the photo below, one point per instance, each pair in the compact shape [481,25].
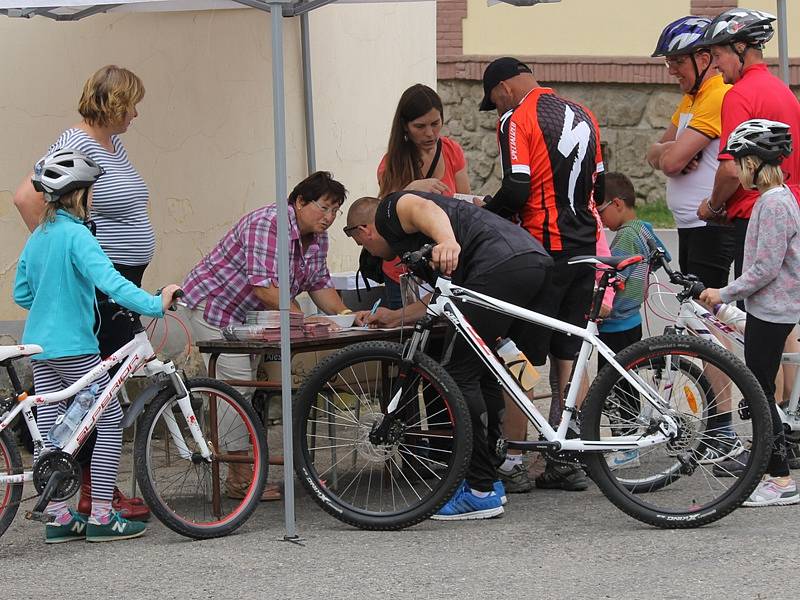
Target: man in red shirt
[737,38]
[551,159]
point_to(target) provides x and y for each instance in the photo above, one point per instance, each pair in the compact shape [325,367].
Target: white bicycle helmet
[771,141]
[64,171]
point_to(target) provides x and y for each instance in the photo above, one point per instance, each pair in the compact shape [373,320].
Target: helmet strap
[739,54]
[698,76]
[756,173]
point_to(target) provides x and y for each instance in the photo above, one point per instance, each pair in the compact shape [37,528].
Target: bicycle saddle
[12,352]
[616,263]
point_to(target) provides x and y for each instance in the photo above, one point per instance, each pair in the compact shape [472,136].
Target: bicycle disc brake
[57,461]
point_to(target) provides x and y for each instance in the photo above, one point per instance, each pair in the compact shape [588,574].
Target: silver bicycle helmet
[754,27]
[62,172]
[771,141]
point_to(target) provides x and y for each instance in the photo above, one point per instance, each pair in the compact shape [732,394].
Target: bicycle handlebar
[418,262]
[177,295]
[692,287]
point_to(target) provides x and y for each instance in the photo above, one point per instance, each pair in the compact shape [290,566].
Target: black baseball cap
[497,71]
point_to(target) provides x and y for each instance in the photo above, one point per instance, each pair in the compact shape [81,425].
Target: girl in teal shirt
[57,273]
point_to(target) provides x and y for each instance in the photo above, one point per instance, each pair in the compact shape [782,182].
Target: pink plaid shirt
[247,257]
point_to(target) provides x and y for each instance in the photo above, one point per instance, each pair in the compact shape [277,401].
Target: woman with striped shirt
[119,210]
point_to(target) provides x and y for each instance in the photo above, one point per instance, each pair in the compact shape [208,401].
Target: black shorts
[707,252]
[618,341]
[567,296]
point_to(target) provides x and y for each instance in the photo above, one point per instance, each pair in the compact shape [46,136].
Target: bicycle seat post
[597,299]
[12,376]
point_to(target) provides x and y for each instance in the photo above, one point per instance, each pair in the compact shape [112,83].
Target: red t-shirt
[454,161]
[760,95]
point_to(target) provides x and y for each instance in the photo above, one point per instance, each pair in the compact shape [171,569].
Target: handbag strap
[435,160]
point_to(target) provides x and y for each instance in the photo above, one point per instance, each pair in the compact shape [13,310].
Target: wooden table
[333,341]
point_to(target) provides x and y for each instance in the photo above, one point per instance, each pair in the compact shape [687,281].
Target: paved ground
[553,545]
[548,545]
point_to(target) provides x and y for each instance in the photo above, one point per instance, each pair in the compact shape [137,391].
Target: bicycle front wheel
[688,388]
[675,484]
[10,493]
[372,473]
[193,496]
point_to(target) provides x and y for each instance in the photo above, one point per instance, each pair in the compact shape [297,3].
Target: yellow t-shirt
[701,112]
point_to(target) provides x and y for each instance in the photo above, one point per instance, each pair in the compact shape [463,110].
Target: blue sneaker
[464,506]
[500,490]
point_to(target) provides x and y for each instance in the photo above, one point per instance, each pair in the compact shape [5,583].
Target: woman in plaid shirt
[241,274]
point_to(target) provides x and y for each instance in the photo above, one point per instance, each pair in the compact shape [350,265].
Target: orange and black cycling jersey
[550,154]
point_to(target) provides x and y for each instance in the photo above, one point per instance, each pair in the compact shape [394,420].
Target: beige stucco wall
[570,27]
[589,27]
[793,21]
[203,139]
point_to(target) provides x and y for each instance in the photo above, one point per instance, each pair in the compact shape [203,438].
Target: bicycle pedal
[42,517]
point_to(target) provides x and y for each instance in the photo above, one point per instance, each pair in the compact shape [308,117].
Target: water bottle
[517,364]
[67,423]
[731,315]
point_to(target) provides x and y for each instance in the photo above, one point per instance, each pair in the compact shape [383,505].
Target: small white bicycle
[179,450]
[383,434]
[696,320]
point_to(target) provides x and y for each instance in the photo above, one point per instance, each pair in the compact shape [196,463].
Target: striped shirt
[119,200]
[247,257]
[631,239]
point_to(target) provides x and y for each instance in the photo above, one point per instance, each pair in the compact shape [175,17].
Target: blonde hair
[770,176]
[73,202]
[109,95]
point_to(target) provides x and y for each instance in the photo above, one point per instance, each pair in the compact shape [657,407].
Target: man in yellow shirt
[687,155]
[687,152]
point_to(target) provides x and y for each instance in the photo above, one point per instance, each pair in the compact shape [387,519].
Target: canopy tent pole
[279,126]
[783,42]
[308,96]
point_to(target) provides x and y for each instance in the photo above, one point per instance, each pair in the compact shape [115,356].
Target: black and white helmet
[771,141]
[64,171]
[754,27]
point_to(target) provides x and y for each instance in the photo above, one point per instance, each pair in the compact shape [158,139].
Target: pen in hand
[373,310]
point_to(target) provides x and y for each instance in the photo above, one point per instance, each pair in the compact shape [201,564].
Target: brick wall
[449,36]
[710,8]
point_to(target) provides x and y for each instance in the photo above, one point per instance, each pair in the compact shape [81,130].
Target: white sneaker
[623,459]
[771,493]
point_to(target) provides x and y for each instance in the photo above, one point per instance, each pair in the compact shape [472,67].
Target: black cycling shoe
[563,476]
[732,467]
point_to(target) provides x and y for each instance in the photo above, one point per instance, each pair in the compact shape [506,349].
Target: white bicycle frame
[137,358]
[442,304]
[698,321]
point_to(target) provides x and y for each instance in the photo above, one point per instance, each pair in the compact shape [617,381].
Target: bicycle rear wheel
[10,493]
[400,479]
[190,495]
[672,485]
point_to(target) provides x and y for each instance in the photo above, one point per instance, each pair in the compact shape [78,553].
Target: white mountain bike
[383,434]
[179,449]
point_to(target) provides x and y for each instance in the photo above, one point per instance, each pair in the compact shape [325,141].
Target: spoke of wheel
[420,459]
[336,463]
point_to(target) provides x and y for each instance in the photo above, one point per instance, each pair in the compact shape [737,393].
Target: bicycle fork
[185,404]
